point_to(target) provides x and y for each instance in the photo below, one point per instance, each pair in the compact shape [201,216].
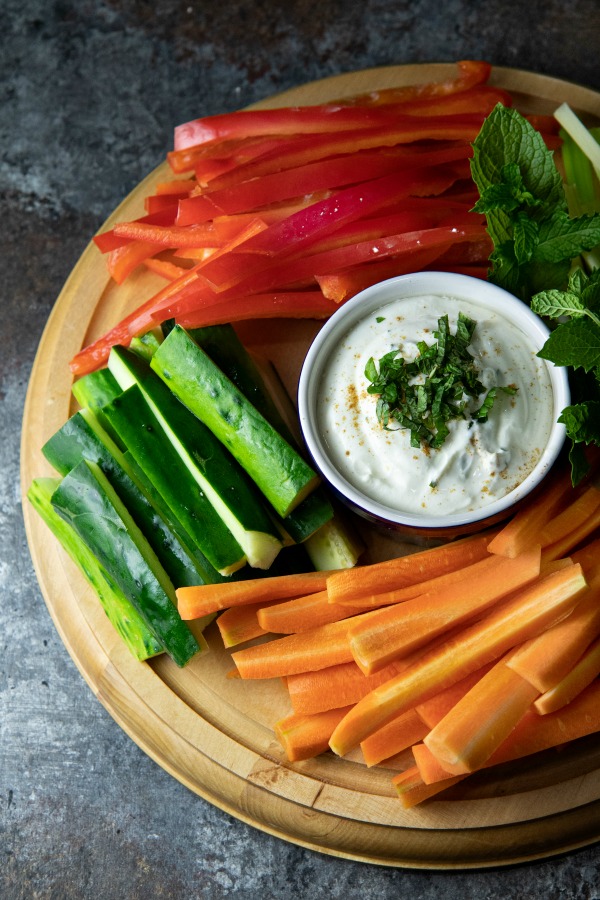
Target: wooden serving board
[215,734]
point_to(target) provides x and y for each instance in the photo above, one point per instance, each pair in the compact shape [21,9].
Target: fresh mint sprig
[424,394]
[535,241]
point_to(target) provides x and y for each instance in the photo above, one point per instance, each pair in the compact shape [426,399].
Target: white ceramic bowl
[417,526]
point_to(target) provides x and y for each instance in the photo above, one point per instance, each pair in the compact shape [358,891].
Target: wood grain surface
[215,734]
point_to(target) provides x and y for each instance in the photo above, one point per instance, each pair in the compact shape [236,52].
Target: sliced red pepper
[288,304]
[156,203]
[109,240]
[391,131]
[125,259]
[345,284]
[480,100]
[470,74]
[201,235]
[324,117]
[305,228]
[280,186]
[168,270]
[325,152]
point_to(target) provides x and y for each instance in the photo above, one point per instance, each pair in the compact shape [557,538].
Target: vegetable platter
[214,733]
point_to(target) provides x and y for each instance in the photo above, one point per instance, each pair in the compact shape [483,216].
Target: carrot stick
[199,600]
[588,557]
[338,685]
[571,539]
[581,675]
[476,726]
[308,651]
[402,732]
[240,624]
[412,790]
[400,629]
[571,518]
[392,595]
[303,737]
[347,586]
[429,766]
[303,613]
[523,529]
[433,710]
[548,658]
[522,616]
[532,734]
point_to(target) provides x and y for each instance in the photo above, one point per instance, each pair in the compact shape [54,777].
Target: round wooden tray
[215,734]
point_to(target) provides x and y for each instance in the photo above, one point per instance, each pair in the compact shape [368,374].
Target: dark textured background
[90,94]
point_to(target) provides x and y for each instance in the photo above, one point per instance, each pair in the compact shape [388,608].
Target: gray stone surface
[90,92]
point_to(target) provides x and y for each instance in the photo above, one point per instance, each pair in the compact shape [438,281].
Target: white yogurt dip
[479,462]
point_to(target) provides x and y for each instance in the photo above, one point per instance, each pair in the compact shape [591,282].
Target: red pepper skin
[323,118]
[471,73]
[302,230]
[280,304]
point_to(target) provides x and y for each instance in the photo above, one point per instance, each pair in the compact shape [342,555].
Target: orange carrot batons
[303,737]
[400,629]
[307,651]
[336,685]
[362,581]
[302,613]
[402,732]
[523,529]
[199,600]
[574,682]
[546,659]
[476,726]
[412,790]
[514,621]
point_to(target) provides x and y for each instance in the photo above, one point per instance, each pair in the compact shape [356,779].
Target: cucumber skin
[81,437]
[85,500]
[96,389]
[121,613]
[213,461]
[226,350]
[140,431]
[273,464]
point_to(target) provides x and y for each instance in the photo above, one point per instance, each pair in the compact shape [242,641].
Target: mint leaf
[576,343]
[555,303]
[561,237]
[582,421]
[522,195]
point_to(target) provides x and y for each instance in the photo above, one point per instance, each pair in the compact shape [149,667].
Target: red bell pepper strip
[267,190]
[108,240]
[477,100]
[303,271]
[122,261]
[343,285]
[286,304]
[304,229]
[168,270]
[201,235]
[325,153]
[470,74]
[392,131]
[324,117]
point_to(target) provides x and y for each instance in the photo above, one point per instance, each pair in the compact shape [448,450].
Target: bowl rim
[476,290]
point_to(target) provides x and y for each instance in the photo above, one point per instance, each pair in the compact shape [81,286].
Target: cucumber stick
[274,465]
[96,389]
[122,614]
[225,485]
[226,350]
[82,437]
[86,499]
[141,432]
